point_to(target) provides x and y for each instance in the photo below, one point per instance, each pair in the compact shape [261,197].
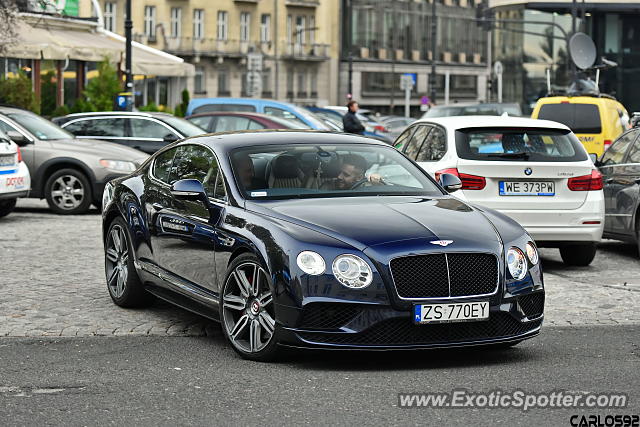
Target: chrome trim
[495,291]
[617,214]
[120,116]
[175,282]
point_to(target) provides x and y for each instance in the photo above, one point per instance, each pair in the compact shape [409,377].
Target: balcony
[302,3]
[306,52]
[188,46]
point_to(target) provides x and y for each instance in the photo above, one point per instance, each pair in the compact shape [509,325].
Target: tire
[123,283]
[579,255]
[68,192]
[7,206]
[247,310]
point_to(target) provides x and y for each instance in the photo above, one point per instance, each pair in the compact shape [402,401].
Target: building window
[223,25]
[302,84]
[266,82]
[312,31]
[150,22]
[289,83]
[200,83]
[223,82]
[176,22]
[245,26]
[110,16]
[300,30]
[198,24]
[265,28]
[289,29]
[313,76]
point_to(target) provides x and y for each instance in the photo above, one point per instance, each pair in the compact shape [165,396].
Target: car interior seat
[285,172]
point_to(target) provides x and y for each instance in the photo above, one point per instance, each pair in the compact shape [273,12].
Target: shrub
[100,93]
[18,91]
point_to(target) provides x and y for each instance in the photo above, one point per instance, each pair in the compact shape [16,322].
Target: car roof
[117,113]
[232,113]
[465,122]
[7,109]
[197,102]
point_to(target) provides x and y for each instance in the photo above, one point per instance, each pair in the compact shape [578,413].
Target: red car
[223,121]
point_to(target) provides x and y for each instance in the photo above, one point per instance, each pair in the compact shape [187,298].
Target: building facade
[295,43]
[393,37]
[537,44]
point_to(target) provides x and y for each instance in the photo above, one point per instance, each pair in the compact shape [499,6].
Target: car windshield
[340,170]
[39,127]
[185,127]
[536,144]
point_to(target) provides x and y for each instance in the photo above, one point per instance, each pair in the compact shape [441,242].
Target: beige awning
[53,38]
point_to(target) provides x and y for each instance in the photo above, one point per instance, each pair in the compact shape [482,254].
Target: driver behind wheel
[352,174]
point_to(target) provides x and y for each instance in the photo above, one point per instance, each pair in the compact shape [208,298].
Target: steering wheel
[359,183]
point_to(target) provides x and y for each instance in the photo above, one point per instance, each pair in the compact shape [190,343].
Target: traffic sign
[407,81]
[497,68]
[254,83]
[254,62]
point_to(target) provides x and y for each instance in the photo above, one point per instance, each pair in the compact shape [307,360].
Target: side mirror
[450,182]
[169,138]
[17,137]
[188,189]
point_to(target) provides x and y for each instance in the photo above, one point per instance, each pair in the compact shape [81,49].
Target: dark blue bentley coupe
[318,240]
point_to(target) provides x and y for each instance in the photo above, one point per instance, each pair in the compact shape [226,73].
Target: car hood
[102,149]
[371,221]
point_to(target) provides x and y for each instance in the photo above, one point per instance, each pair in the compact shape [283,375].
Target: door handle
[157,206]
[637,181]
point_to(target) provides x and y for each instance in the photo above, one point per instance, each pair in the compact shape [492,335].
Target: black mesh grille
[328,315]
[402,331]
[472,274]
[532,305]
[426,276]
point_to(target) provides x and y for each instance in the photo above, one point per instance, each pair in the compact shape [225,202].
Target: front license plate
[452,312]
[527,188]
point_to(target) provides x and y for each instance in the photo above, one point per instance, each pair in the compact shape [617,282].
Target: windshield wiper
[519,155]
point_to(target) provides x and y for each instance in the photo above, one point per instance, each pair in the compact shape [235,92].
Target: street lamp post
[434,32]
[128,25]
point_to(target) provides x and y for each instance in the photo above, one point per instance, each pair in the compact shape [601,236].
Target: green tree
[48,94]
[181,109]
[100,93]
[18,91]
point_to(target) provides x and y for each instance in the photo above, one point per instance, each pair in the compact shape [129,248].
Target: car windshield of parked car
[536,144]
[340,170]
[39,127]
[185,127]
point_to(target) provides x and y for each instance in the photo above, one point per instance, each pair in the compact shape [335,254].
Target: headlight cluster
[350,270]
[518,263]
[118,165]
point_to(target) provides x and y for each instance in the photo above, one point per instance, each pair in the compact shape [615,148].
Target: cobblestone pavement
[52,284]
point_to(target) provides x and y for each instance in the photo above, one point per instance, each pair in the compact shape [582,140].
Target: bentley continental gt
[318,240]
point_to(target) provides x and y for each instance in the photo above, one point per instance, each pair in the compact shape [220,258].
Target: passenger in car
[246,173]
[352,174]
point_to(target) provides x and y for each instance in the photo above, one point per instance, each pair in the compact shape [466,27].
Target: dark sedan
[318,240]
[146,132]
[620,168]
[228,121]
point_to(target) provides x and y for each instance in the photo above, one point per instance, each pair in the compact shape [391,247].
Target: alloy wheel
[247,311]
[67,192]
[117,255]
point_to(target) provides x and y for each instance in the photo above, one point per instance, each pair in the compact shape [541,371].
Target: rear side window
[113,127]
[279,112]
[231,123]
[143,128]
[580,118]
[507,144]
[224,107]
[433,147]
[162,165]
[615,154]
[415,143]
[402,139]
[202,121]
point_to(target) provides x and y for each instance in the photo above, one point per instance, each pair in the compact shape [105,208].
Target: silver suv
[70,173]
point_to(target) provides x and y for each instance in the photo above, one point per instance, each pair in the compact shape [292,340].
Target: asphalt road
[200,381]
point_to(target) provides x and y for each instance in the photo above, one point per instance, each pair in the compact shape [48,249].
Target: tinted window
[433,147]
[196,162]
[181,125]
[634,155]
[220,189]
[162,165]
[113,127]
[615,154]
[535,145]
[224,107]
[231,123]
[143,128]
[414,144]
[580,118]
[403,138]
[202,122]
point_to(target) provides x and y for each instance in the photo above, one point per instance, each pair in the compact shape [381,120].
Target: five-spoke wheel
[68,192]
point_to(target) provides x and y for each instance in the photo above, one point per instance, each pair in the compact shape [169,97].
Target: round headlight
[517,263]
[311,262]
[352,271]
[532,253]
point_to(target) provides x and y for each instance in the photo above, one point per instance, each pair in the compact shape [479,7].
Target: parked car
[146,132]
[596,120]
[474,109]
[288,239]
[396,124]
[534,171]
[266,106]
[372,128]
[620,167]
[225,121]
[333,118]
[69,172]
[15,180]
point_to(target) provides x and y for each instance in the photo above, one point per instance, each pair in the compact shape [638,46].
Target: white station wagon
[535,171]
[15,180]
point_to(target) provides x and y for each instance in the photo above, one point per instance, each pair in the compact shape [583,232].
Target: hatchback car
[146,132]
[278,236]
[228,121]
[620,167]
[534,171]
[14,175]
[70,173]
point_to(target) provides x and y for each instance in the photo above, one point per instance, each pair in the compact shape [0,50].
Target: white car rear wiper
[519,155]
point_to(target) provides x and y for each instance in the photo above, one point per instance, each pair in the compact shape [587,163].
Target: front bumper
[377,327]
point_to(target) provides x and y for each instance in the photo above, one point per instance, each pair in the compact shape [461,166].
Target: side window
[434,146]
[615,154]
[5,127]
[403,138]
[162,165]
[113,127]
[220,190]
[414,144]
[279,112]
[196,162]
[253,125]
[231,123]
[202,122]
[634,155]
[143,128]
